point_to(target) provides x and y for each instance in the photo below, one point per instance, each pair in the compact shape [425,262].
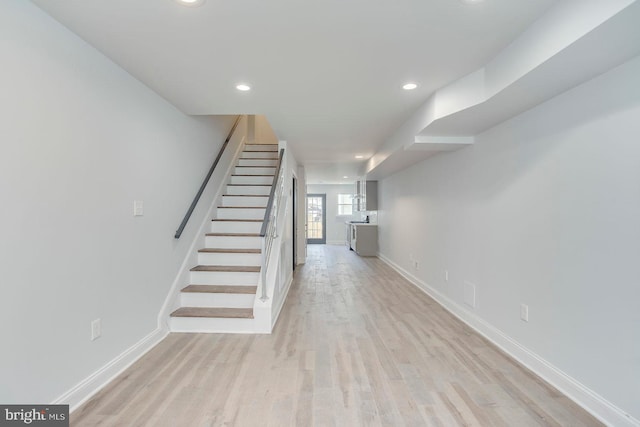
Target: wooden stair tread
[237,220]
[233,234]
[245,195]
[229,251]
[252,175]
[228,268]
[249,185]
[245,166]
[213,312]
[242,207]
[221,289]
[258,158]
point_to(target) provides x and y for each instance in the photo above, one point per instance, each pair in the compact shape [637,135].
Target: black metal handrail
[206,181]
[267,212]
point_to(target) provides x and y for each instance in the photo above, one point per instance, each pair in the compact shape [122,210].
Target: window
[345,204]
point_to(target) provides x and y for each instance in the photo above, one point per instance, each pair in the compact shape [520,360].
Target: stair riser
[244,201]
[254,171]
[249,190]
[196,299]
[232,242]
[235,227]
[240,213]
[260,147]
[216,258]
[223,278]
[211,325]
[253,155]
[257,163]
[254,180]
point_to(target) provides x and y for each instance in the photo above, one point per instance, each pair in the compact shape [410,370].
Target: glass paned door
[316,218]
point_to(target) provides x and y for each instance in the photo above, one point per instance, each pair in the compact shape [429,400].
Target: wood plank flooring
[355,345]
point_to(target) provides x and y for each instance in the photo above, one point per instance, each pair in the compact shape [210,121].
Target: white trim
[88,387]
[274,319]
[592,402]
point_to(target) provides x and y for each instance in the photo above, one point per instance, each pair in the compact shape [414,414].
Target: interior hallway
[356,344]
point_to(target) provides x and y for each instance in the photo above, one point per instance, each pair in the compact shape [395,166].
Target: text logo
[34,415]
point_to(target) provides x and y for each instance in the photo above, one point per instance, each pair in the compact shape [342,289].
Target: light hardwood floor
[355,345]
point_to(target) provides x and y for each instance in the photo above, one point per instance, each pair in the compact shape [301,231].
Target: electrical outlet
[138,208]
[96,329]
[446,275]
[524,312]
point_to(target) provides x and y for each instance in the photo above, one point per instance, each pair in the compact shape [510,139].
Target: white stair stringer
[221,293]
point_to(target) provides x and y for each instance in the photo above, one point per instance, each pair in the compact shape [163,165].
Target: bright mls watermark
[34,415]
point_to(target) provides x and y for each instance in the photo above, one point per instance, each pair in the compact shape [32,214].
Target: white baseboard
[592,402]
[84,390]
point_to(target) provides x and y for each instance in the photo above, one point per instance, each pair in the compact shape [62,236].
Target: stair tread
[245,195]
[228,268]
[238,220]
[258,158]
[236,313]
[241,207]
[252,175]
[235,234]
[229,251]
[221,289]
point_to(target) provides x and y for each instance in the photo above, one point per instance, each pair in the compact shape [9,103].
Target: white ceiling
[327,75]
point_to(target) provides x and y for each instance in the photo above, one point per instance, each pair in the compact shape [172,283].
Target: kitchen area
[345,214]
[362,233]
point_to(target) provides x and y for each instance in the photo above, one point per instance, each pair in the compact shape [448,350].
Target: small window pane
[345,204]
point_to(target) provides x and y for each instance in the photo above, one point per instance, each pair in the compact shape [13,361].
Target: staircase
[222,289]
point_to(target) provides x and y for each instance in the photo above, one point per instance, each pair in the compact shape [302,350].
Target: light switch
[138,208]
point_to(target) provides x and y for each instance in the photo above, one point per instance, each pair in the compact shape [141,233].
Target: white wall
[301,238]
[336,232]
[263,132]
[543,210]
[81,140]
[285,268]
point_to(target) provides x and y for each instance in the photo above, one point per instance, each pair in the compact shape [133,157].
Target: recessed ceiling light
[345,177]
[191,3]
[243,87]
[359,156]
[471,1]
[409,86]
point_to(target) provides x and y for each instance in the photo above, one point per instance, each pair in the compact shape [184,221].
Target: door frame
[323,240]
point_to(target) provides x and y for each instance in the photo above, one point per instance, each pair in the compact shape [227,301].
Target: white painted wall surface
[336,231]
[285,270]
[301,238]
[264,133]
[543,210]
[81,140]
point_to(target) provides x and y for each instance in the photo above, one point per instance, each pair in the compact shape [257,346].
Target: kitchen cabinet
[366,196]
[363,238]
